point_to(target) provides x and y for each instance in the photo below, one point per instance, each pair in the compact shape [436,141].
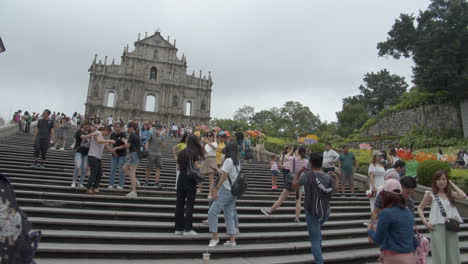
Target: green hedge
[428,168]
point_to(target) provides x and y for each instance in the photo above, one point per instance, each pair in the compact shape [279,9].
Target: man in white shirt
[174,130]
[110,120]
[329,158]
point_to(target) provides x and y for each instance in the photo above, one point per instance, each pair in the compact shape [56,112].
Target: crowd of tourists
[218,157]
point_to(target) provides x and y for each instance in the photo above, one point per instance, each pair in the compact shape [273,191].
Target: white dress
[379,180]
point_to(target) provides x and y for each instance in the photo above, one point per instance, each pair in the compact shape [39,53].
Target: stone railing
[361,182]
[10,129]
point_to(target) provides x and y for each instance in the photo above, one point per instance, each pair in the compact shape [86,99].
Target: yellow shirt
[219,154]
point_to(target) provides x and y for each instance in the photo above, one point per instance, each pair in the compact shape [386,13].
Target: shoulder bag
[450,223]
[194,172]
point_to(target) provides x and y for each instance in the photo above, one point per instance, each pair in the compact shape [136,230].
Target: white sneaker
[119,188]
[190,233]
[213,243]
[110,187]
[53,148]
[132,194]
[229,244]
[73,185]
[178,233]
[138,183]
[81,186]
[62,149]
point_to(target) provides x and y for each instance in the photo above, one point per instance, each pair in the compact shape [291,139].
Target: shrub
[428,168]
[320,147]
[277,144]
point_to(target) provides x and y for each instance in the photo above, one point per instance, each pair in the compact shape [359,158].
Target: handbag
[451,224]
[194,173]
[422,251]
[288,180]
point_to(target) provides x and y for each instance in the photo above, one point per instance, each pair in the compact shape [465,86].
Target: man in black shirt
[43,136]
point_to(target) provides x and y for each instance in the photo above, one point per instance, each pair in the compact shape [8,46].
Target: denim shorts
[134,159]
[274,173]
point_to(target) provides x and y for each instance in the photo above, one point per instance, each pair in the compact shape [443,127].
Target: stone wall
[433,117]
[8,130]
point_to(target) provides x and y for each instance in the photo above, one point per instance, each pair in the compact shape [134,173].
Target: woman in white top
[209,165]
[376,175]
[224,200]
[444,243]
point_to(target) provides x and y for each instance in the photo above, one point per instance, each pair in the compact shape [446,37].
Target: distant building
[150,83]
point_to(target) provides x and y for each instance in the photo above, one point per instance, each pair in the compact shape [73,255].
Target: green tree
[298,119]
[244,113]
[381,89]
[438,44]
[229,124]
[352,117]
[268,121]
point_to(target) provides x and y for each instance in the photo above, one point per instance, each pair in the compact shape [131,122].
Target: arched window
[126,95]
[188,108]
[150,103]
[153,73]
[175,100]
[203,105]
[110,99]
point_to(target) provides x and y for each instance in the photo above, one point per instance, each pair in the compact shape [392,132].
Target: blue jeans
[315,236]
[81,163]
[226,202]
[120,161]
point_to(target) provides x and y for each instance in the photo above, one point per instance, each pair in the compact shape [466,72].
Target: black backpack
[18,244]
[239,186]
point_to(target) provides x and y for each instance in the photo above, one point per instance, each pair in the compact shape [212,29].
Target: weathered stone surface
[433,117]
[152,69]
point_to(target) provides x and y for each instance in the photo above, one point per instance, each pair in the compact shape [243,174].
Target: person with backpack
[96,148]
[133,144]
[298,162]
[81,154]
[186,186]
[319,188]
[225,198]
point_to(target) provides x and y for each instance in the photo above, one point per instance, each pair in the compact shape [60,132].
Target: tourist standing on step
[319,188]
[176,150]
[298,162]
[224,200]
[408,185]
[330,157]
[43,137]
[154,145]
[444,243]
[261,149]
[96,148]
[27,122]
[284,162]
[376,175]
[133,144]
[81,148]
[221,136]
[274,172]
[209,166]
[62,132]
[118,157]
[347,164]
[186,186]
[395,228]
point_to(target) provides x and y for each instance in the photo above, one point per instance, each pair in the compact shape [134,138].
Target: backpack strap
[441,207]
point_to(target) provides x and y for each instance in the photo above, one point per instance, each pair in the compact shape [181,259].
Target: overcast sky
[260,53]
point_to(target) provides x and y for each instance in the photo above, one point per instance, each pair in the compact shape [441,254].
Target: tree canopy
[438,44]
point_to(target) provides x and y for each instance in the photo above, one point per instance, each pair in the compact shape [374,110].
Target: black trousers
[41,145]
[27,127]
[186,193]
[95,165]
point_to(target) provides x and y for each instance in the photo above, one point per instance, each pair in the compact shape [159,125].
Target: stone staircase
[111,228]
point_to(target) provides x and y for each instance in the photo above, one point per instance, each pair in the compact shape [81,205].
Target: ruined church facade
[150,83]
